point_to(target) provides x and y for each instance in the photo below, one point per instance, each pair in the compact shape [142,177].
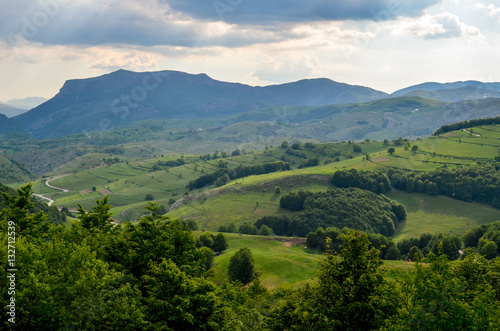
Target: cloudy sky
[383,44]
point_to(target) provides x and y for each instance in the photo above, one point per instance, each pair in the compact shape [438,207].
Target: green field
[281,262]
[250,198]
[440,214]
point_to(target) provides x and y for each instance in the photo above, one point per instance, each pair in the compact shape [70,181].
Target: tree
[265,231]
[16,214]
[149,197]
[391,150]
[241,266]
[414,149]
[352,291]
[99,217]
[248,228]
[488,249]
[176,301]
[236,152]
[206,240]
[277,190]
[221,243]
[222,180]
[393,253]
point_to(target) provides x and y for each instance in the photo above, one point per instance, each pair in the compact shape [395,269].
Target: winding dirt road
[56,188]
[53,187]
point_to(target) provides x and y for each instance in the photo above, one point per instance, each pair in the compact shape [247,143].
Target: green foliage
[309,163]
[391,150]
[149,197]
[221,243]
[374,181]
[222,180]
[177,301]
[217,243]
[479,183]
[351,294]
[223,176]
[353,208]
[241,266]
[248,228]
[434,298]
[466,125]
[265,231]
[277,190]
[16,214]
[62,285]
[99,217]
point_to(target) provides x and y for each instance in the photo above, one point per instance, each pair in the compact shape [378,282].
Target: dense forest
[154,275]
[353,208]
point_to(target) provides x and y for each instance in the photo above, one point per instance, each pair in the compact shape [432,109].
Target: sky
[382,44]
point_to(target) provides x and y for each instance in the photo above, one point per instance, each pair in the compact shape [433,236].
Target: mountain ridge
[122,97]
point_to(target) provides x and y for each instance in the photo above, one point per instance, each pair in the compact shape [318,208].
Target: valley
[230,173]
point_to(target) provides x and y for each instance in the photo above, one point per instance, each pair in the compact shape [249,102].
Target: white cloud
[286,67]
[445,25]
[490,9]
[135,60]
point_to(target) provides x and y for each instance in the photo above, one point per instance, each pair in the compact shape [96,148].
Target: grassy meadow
[283,262]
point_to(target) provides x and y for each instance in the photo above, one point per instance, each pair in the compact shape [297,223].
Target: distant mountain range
[26,103]
[16,107]
[123,97]
[10,111]
[431,87]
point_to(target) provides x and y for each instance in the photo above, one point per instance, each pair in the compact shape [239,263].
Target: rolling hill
[432,86]
[458,94]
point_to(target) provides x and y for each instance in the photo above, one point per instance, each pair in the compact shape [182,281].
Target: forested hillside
[156,275]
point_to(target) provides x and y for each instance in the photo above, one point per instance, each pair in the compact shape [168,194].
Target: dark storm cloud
[181,23]
[276,11]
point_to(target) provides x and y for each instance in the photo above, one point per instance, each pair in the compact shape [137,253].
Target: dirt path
[56,188]
[41,196]
[472,133]
[45,198]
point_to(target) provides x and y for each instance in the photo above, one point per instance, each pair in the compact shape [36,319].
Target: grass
[440,214]
[242,202]
[280,264]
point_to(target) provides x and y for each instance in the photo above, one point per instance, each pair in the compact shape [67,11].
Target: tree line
[478,183]
[374,181]
[239,172]
[467,124]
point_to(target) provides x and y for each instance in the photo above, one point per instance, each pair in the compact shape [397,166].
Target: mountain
[122,97]
[458,94]
[10,111]
[432,86]
[26,103]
